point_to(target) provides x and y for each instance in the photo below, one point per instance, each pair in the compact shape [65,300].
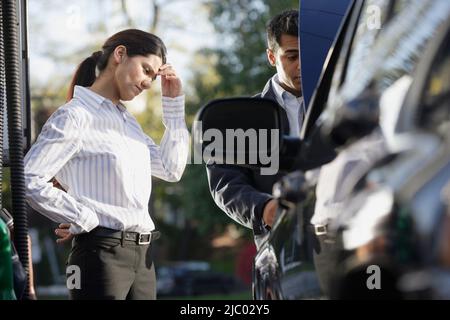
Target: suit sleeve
[232,190]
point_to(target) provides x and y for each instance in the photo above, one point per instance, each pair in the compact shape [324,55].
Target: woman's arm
[55,146]
[168,161]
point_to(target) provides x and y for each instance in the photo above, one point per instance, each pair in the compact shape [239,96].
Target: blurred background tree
[241,58]
[237,67]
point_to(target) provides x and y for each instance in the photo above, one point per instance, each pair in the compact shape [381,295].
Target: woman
[100,156]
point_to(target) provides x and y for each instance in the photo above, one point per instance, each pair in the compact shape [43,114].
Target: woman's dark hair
[137,42]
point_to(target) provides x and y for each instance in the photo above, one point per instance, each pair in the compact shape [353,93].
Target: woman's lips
[139,90]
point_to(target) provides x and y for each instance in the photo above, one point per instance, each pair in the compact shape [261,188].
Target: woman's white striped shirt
[99,154]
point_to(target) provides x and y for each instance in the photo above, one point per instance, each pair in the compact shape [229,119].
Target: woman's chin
[128,97]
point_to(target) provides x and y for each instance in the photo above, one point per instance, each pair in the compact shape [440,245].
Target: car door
[283,267]
[407,178]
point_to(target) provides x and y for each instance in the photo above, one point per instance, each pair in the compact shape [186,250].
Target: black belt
[319,229]
[138,238]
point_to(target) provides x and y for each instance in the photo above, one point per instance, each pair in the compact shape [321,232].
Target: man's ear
[271,57]
[119,54]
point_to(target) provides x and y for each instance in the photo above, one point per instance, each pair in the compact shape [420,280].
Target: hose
[15,131]
[2,98]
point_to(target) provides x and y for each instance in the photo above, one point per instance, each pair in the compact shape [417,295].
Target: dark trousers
[328,257]
[111,269]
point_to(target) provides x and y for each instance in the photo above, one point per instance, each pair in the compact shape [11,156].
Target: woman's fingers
[63,233]
[165,66]
[171,83]
[167,70]
[65,239]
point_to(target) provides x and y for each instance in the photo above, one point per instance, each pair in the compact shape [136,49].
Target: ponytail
[85,74]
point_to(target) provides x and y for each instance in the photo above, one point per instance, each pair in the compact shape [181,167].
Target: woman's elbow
[30,184]
[34,184]
[174,177]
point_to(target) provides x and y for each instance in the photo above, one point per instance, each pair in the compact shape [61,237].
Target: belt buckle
[142,242]
[320,229]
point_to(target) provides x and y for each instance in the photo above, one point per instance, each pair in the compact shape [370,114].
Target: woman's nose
[146,83]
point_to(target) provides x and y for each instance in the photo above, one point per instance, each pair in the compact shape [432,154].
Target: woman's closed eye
[148,72]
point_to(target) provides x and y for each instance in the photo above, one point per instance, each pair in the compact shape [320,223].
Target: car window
[367,22]
[397,6]
[373,15]
[380,57]
[436,111]
[439,83]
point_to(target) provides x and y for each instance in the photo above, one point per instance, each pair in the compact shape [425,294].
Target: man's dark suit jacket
[243,192]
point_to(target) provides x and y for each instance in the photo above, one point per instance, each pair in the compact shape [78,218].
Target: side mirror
[249,132]
[246,132]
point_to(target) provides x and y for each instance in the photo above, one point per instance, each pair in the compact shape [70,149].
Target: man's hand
[269,212]
[63,233]
[170,83]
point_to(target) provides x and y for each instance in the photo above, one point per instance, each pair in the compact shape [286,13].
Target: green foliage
[238,67]
[191,196]
[197,201]
[241,61]
[150,119]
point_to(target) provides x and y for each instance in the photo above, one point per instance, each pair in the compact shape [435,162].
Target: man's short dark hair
[285,22]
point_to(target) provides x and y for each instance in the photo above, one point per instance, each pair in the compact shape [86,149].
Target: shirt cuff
[173,108]
[74,229]
[89,220]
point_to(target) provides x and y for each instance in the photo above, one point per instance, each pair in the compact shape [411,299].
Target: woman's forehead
[152,60]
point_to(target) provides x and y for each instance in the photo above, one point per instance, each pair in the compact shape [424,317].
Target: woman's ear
[119,54]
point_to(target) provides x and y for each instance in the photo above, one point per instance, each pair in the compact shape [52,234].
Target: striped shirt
[99,154]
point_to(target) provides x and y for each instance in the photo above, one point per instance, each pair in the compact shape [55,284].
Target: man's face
[287,61]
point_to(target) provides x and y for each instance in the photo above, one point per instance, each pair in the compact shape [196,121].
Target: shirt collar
[90,97]
[121,107]
[282,95]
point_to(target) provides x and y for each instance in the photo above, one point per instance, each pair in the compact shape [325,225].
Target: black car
[191,278]
[408,232]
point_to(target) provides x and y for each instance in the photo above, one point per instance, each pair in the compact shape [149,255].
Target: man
[243,193]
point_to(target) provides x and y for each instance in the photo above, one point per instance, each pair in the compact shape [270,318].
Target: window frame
[320,96]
